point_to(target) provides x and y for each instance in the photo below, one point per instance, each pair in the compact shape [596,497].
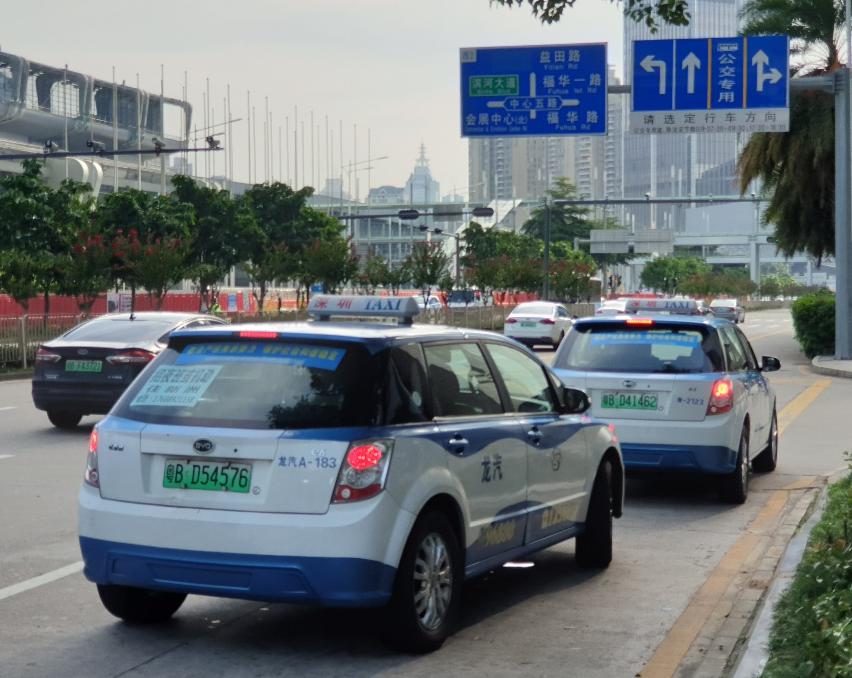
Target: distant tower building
[386,195]
[421,187]
[676,165]
[598,160]
[507,168]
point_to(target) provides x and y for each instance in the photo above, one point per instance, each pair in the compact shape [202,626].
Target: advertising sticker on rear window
[171,386]
[317,357]
[652,338]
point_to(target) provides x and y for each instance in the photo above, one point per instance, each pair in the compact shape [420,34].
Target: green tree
[330,262]
[86,272]
[796,168]
[667,273]
[566,221]
[650,12]
[428,263]
[222,231]
[274,253]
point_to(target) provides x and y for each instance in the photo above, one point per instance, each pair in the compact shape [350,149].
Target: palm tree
[796,168]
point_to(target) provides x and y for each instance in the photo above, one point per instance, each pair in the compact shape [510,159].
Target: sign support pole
[842,231]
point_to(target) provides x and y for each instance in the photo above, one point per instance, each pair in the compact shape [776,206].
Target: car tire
[734,486]
[594,546]
[426,597]
[140,606]
[63,419]
[767,460]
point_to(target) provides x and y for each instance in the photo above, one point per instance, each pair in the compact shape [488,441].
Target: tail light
[135,356]
[257,334]
[645,322]
[721,397]
[363,472]
[45,356]
[547,321]
[511,321]
[91,476]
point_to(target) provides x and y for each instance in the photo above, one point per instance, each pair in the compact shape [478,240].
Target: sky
[389,67]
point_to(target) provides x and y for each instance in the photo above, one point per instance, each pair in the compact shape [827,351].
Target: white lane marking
[6,456]
[11,407]
[41,580]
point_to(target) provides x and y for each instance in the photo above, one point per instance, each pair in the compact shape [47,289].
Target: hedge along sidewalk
[780,641]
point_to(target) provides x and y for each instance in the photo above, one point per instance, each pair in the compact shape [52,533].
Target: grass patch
[812,632]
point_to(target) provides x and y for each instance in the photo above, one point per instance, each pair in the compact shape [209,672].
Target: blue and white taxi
[343,464]
[684,392]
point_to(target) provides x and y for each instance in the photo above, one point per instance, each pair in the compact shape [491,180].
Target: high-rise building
[507,168]
[677,165]
[598,160]
[421,188]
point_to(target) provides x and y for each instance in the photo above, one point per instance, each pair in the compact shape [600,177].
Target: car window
[751,358]
[120,329]
[525,380]
[405,389]
[563,313]
[737,360]
[461,381]
[658,348]
[257,384]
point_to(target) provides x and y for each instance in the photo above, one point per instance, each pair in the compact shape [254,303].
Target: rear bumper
[345,557]
[715,459]
[532,338]
[326,581]
[82,398]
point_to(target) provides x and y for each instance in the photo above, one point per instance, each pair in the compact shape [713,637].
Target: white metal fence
[21,337]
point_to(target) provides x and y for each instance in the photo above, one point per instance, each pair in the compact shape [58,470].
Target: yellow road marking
[670,653]
[800,403]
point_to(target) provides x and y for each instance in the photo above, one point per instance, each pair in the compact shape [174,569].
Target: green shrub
[812,632]
[813,318]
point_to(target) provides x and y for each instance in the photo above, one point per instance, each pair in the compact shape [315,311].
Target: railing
[21,337]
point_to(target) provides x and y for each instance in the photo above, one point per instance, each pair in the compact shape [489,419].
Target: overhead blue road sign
[548,90]
[737,84]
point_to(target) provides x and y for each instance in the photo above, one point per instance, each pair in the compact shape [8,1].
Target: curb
[828,371]
[756,653]
[16,376]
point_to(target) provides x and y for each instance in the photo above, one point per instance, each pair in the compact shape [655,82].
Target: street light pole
[546,286]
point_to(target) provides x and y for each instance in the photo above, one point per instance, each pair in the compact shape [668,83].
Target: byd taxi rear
[344,464]
[685,393]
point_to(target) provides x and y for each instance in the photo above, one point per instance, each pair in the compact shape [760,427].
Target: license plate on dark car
[83,366]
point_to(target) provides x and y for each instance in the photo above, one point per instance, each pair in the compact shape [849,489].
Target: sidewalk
[827,365]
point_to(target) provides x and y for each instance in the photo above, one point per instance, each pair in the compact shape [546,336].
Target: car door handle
[534,434]
[457,444]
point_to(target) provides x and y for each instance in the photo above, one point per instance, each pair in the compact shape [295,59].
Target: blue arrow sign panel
[548,90]
[736,84]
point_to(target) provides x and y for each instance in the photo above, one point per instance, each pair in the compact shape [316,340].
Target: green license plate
[83,366]
[528,324]
[619,400]
[218,476]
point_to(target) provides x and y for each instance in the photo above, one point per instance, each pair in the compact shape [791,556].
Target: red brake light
[45,356]
[547,321]
[511,321]
[721,397]
[364,456]
[135,356]
[91,476]
[640,321]
[256,334]
[362,473]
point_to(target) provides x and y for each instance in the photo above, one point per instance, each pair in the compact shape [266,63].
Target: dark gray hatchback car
[85,370]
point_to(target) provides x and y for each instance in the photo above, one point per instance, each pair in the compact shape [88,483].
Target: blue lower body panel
[339,582]
[703,458]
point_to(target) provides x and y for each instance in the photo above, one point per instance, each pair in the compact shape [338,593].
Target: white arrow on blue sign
[737,84]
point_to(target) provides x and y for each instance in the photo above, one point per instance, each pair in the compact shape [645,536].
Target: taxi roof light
[403,309]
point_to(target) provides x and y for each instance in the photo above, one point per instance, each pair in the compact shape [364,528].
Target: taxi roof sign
[673,306]
[324,306]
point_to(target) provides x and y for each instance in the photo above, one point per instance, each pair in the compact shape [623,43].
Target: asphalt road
[548,618]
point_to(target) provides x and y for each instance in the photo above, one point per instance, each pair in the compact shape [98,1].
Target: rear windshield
[723,303]
[461,296]
[534,309]
[115,329]
[257,384]
[660,348]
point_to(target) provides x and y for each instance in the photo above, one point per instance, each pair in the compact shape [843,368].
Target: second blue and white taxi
[342,464]
[685,392]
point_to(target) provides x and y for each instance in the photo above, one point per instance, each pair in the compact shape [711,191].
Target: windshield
[257,384]
[655,349]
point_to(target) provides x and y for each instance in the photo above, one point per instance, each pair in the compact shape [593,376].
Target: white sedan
[538,322]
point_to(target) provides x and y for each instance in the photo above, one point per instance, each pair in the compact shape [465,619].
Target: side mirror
[769,364]
[574,401]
